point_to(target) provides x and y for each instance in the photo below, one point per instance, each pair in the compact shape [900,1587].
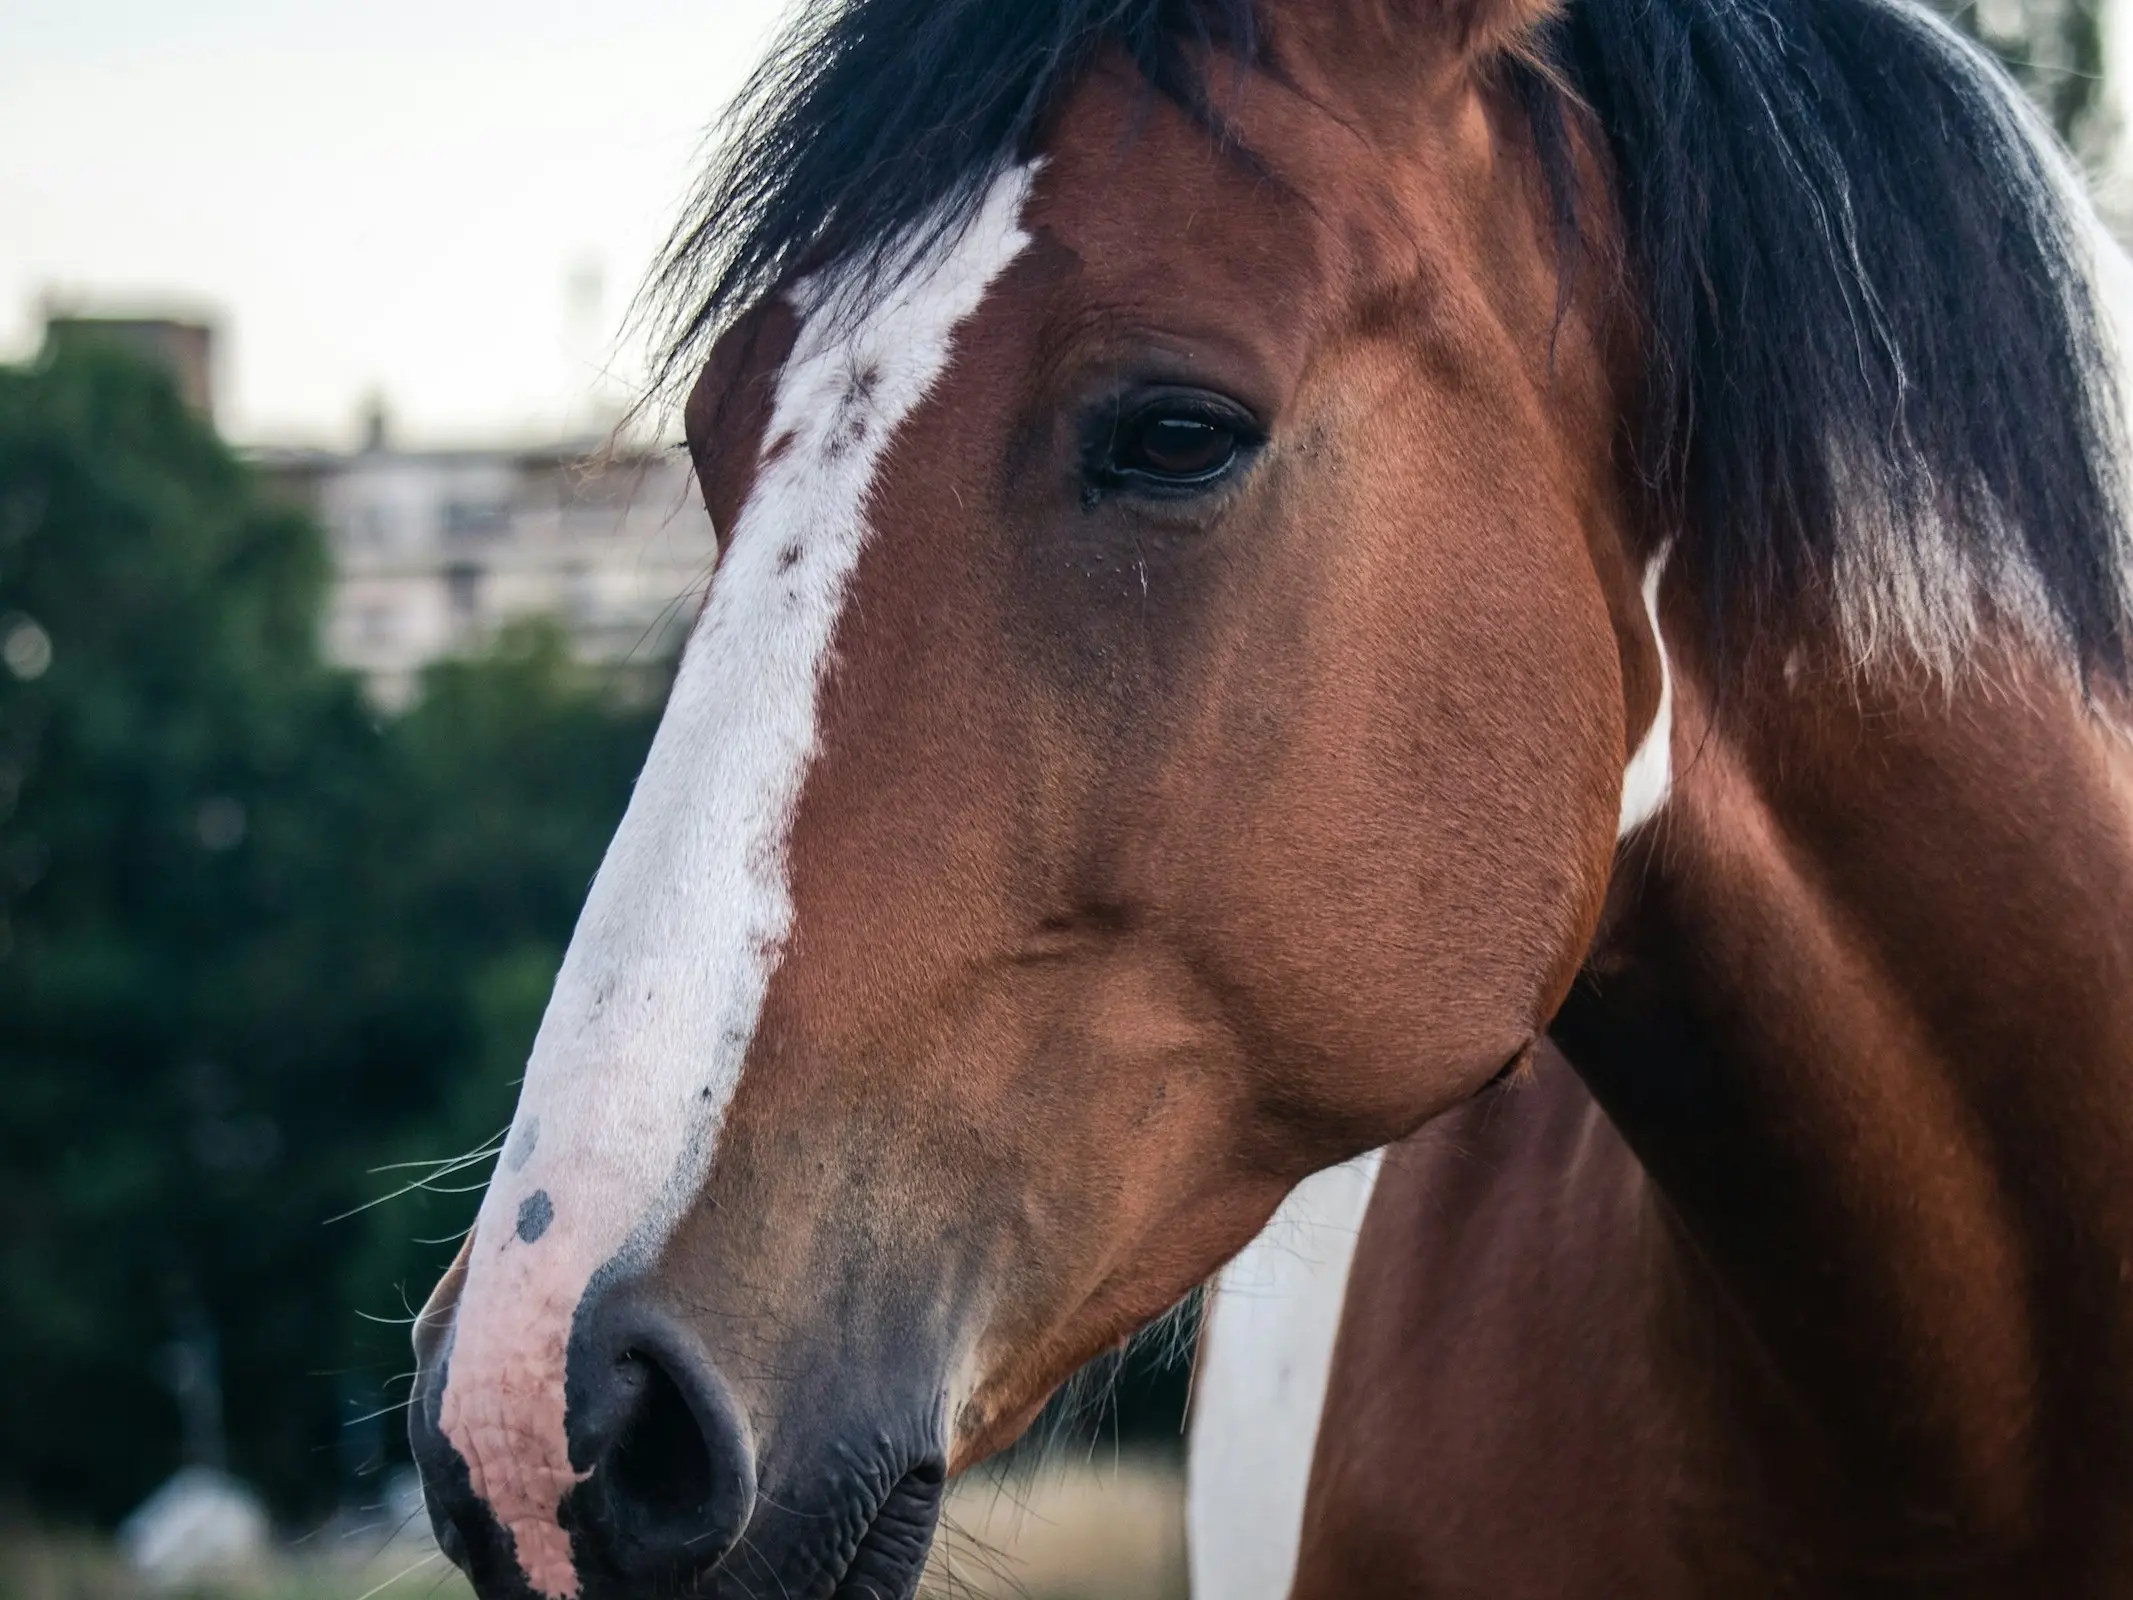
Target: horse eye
[1171,445]
[1166,444]
[1182,449]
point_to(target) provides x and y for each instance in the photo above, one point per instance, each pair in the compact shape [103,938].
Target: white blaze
[657,1001]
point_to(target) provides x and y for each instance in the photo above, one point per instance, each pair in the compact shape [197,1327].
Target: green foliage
[253,944]
[2054,48]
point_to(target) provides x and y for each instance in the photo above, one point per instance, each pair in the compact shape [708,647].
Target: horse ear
[1466,29]
[1484,27]
[1398,36]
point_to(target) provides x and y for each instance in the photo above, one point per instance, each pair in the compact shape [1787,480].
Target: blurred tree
[253,944]
[2054,48]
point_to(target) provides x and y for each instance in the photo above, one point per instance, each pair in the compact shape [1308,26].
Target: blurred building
[437,549]
[183,347]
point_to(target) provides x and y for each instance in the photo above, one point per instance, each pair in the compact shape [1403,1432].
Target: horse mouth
[849,1547]
[890,1557]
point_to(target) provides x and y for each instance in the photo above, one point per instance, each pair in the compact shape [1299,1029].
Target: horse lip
[887,1559]
[890,1558]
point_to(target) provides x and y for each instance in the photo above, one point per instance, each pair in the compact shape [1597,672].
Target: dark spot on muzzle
[535,1212]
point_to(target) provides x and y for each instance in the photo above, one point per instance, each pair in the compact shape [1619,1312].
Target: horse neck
[1863,1008]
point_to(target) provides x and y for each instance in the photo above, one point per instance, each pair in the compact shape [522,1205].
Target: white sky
[391,195]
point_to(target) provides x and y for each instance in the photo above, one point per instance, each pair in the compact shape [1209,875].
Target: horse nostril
[659,1463]
[672,1474]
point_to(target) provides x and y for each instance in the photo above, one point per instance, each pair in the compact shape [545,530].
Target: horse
[1460,664]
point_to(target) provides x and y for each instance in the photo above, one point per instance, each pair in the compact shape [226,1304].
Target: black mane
[874,121]
[1878,363]
[1878,366]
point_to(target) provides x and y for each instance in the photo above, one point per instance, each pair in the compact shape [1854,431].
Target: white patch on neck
[658,998]
[1265,1359]
[1649,778]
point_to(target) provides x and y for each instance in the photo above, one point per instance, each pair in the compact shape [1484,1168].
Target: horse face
[1156,729]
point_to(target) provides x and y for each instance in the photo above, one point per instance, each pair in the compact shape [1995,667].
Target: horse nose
[669,1458]
[666,1456]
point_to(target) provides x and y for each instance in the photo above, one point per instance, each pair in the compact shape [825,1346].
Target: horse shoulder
[1497,1356]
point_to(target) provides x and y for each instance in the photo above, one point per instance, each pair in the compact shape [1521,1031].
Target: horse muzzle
[674,1491]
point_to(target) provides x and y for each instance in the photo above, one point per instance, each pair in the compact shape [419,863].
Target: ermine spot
[535,1212]
[520,1150]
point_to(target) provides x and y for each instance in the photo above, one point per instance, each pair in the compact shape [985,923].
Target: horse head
[1172,685]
